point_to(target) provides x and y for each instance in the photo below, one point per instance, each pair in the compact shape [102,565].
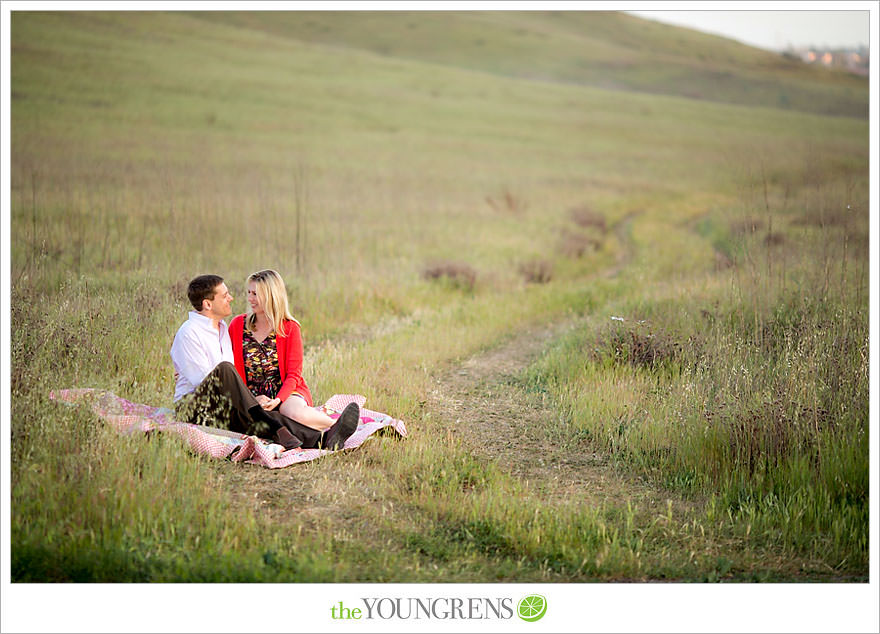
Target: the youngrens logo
[530,608]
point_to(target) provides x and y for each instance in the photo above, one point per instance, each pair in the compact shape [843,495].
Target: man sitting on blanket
[210,392]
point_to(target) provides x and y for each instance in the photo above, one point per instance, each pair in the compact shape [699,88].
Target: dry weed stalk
[507,202]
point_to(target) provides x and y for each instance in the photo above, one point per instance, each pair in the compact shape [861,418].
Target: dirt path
[500,421]
[495,419]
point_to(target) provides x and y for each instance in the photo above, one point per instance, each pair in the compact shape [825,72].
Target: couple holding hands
[247,376]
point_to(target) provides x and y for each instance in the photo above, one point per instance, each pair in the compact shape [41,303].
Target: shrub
[457,273]
[774,239]
[585,217]
[574,245]
[638,345]
[536,271]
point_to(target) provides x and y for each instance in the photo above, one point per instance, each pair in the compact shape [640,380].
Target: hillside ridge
[610,50]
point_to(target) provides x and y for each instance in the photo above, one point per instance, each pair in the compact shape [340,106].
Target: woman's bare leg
[295,407]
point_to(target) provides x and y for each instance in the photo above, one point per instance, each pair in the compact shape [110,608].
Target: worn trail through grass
[499,420]
[520,430]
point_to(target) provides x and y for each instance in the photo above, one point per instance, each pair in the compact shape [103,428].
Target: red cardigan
[290,357]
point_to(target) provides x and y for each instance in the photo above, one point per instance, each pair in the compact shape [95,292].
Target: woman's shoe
[344,427]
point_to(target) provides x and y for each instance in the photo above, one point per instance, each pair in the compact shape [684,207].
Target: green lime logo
[532,607]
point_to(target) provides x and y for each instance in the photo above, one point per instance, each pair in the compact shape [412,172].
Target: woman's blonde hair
[273,298]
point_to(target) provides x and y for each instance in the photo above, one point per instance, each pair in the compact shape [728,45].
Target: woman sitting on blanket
[268,350]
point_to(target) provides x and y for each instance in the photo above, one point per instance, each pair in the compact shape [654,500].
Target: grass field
[726,229]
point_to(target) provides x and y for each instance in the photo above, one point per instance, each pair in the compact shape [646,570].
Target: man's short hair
[202,288]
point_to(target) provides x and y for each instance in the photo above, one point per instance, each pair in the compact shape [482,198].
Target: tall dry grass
[751,388]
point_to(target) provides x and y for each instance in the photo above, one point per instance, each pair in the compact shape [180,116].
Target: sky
[775,30]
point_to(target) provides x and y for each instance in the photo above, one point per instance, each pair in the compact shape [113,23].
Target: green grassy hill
[354,153]
[594,48]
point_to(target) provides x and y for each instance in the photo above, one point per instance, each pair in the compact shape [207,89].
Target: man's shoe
[343,427]
[287,440]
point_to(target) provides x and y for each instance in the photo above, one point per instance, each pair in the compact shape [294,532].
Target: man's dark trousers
[223,398]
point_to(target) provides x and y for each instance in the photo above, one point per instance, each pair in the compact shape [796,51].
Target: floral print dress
[261,364]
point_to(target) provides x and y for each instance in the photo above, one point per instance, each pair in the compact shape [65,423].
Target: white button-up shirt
[197,349]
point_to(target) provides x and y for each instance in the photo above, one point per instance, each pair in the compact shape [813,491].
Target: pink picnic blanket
[127,417]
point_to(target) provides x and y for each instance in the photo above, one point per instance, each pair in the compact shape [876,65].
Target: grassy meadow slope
[592,48]
[150,147]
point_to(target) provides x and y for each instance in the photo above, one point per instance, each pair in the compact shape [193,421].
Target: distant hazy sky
[774,30]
